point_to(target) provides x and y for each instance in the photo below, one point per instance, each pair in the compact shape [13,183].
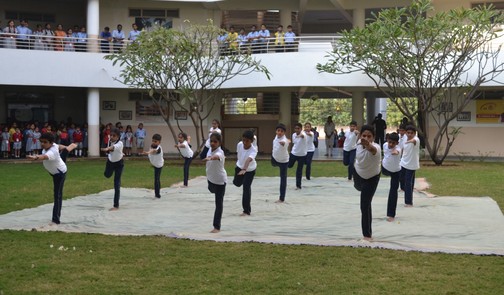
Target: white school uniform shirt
[280,152]
[117,154]
[310,146]
[391,162]
[244,154]
[402,140]
[289,37]
[212,130]
[411,155]
[186,151]
[157,159]
[350,142]
[54,164]
[215,171]
[300,145]
[367,165]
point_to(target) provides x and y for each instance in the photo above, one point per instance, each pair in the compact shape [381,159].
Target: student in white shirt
[214,129]
[310,148]
[245,169]
[391,166]
[298,152]
[217,177]
[350,147]
[410,162]
[56,167]
[280,158]
[156,159]
[367,175]
[187,154]
[115,164]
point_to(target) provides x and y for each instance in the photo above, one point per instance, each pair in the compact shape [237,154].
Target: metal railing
[73,44]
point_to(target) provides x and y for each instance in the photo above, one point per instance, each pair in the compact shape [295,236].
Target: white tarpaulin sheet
[325,212]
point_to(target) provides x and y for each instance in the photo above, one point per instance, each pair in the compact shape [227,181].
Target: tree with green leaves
[441,59]
[183,70]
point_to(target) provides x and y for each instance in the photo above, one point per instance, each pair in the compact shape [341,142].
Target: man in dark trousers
[380,126]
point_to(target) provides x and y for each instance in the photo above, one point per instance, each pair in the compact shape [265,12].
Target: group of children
[362,156]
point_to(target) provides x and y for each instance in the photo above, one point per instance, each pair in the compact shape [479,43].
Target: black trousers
[283,176]
[187,163]
[58,183]
[115,168]
[392,196]
[245,180]
[367,187]
[219,191]
[299,170]
[157,182]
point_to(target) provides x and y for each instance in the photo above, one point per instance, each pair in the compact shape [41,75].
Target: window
[30,16]
[162,13]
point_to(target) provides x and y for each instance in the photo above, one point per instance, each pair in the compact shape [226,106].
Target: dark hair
[115,131]
[281,126]
[156,137]
[353,122]
[368,128]
[217,121]
[48,136]
[216,136]
[402,126]
[411,127]
[298,125]
[248,134]
[393,136]
[183,134]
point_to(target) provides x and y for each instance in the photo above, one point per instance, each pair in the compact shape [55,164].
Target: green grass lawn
[102,264]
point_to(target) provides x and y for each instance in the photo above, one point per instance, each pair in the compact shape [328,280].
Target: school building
[56,85]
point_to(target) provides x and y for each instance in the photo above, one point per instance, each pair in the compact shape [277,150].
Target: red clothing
[17,137]
[77,136]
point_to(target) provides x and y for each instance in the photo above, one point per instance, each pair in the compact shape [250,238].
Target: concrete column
[381,107]
[93,24]
[370,108]
[359,18]
[358,107]
[93,117]
[285,109]
[285,18]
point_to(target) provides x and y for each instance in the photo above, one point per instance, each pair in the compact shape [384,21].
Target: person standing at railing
[232,40]
[49,37]
[23,37]
[81,43]
[133,34]
[279,39]
[222,41]
[118,38]
[38,39]
[252,39]
[264,35]
[60,35]
[290,40]
[105,39]
[242,41]
[9,35]
[69,41]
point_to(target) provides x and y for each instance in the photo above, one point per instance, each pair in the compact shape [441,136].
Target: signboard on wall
[489,111]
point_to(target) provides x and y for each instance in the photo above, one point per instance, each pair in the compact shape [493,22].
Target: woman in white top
[410,162]
[367,175]
[217,177]
[245,169]
[298,152]
[56,167]
[115,164]
[187,154]
[214,129]
[350,147]
[280,158]
[156,159]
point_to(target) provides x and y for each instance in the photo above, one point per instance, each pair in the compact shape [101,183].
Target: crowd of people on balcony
[256,41]
[71,39]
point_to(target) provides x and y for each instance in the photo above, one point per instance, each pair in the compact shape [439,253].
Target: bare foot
[390,219]
[244,214]
[214,231]
[113,209]
[279,201]
[408,205]
[369,239]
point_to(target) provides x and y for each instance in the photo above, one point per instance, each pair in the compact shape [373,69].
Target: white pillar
[285,109]
[359,18]
[93,117]
[358,107]
[93,24]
